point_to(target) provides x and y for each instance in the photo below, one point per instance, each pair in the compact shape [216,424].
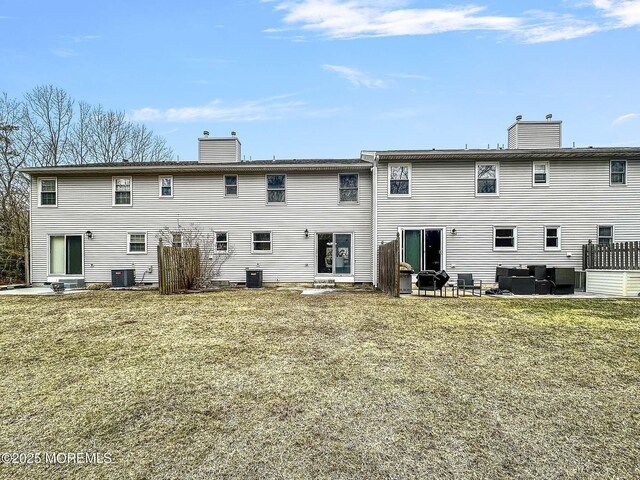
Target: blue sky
[328,78]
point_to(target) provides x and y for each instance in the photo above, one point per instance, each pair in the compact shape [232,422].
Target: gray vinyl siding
[218,150]
[535,135]
[578,199]
[85,203]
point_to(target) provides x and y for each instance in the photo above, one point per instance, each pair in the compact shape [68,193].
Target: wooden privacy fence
[614,256]
[178,268]
[389,268]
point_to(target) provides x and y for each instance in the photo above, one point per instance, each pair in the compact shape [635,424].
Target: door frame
[443,243]
[333,265]
[65,235]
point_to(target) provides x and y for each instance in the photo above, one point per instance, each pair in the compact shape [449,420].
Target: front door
[334,254]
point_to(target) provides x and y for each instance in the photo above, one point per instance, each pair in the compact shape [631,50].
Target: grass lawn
[272,384]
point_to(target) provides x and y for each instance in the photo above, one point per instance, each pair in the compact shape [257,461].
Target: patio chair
[466,282]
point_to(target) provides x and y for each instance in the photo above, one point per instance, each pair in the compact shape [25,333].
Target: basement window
[505,238]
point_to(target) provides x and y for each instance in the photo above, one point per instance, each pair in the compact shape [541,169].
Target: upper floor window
[166,186]
[605,234]
[618,172]
[400,179]
[230,185]
[540,174]
[348,185]
[48,192]
[487,178]
[121,190]
[137,242]
[276,188]
[552,238]
[222,242]
[505,238]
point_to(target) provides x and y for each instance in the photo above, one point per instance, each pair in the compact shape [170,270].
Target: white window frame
[65,235]
[533,174]
[224,185]
[173,239]
[113,192]
[398,195]
[515,238]
[40,192]
[259,252]
[266,184]
[160,178]
[475,182]
[613,233]
[348,202]
[146,246]
[618,184]
[553,249]
[215,241]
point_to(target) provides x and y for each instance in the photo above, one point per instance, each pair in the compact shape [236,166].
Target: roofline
[546,153]
[201,167]
[532,122]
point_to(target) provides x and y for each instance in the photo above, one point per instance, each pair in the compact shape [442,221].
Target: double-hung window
[487,178]
[540,174]
[505,238]
[552,238]
[618,172]
[348,185]
[122,191]
[276,188]
[137,242]
[222,242]
[399,180]
[261,242]
[165,184]
[48,192]
[230,185]
[605,234]
[176,240]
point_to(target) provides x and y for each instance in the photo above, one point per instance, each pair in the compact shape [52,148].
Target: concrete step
[324,283]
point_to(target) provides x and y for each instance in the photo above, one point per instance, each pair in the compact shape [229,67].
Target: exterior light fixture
[454,231]
[306,233]
[89,234]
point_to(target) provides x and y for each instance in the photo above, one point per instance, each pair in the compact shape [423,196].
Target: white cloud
[626,12]
[355,77]
[625,118]
[81,38]
[246,111]
[63,52]
[350,19]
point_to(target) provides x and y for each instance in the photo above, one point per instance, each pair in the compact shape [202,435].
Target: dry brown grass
[272,384]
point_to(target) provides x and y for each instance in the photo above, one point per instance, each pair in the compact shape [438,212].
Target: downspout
[30,274]
[374,214]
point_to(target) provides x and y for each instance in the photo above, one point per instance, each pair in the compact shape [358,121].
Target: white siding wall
[84,203]
[535,135]
[218,150]
[578,199]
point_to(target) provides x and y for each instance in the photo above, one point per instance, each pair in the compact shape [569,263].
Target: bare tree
[215,250]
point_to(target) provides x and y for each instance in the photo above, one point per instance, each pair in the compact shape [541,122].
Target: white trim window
[231,185]
[552,238]
[137,243]
[221,243]
[618,172]
[176,239]
[261,242]
[165,186]
[540,174]
[605,234]
[122,190]
[487,178]
[505,238]
[48,192]
[399,180]
[348,187]
[276,188]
